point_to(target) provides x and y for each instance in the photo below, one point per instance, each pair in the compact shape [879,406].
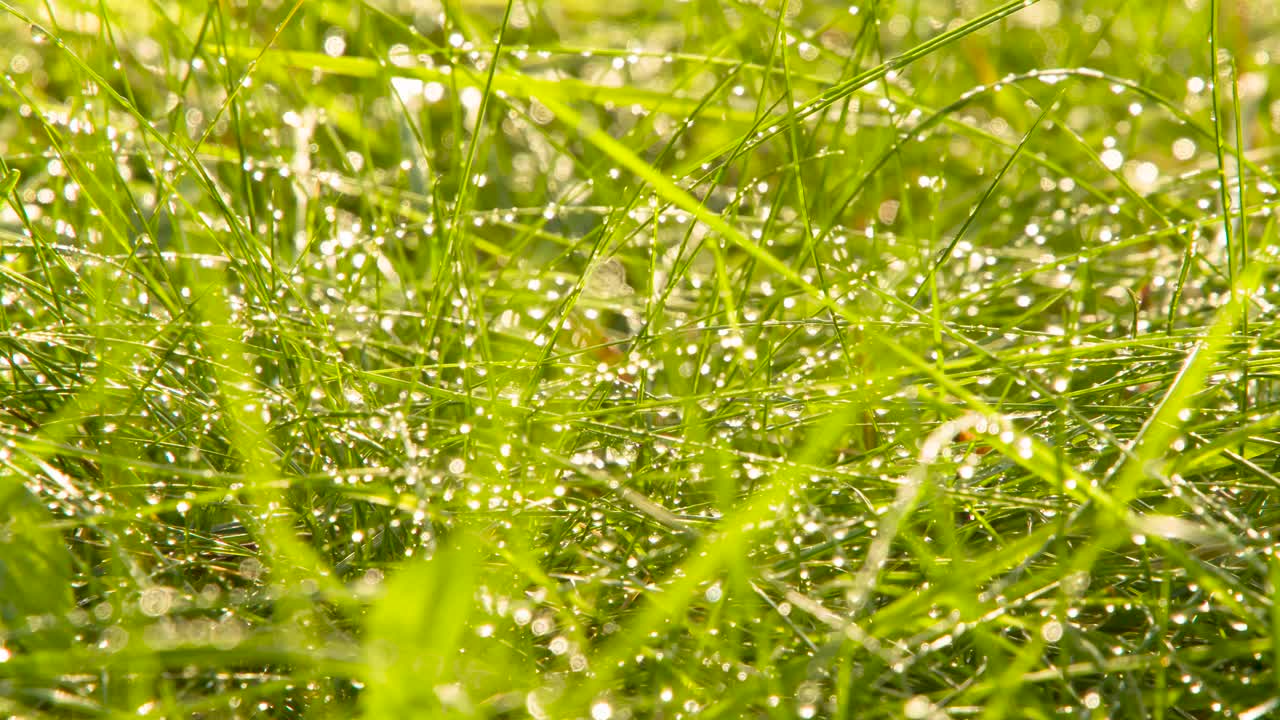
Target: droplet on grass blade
[10,182]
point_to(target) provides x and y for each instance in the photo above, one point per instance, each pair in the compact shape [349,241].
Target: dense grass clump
[431,358]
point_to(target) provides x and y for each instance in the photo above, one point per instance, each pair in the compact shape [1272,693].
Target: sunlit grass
[638,360]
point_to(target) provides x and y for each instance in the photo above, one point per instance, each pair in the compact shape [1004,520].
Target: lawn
[685,359]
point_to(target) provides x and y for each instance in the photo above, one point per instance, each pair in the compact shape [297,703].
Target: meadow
[688,359]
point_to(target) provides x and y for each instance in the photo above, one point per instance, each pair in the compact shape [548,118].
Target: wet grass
[709,359]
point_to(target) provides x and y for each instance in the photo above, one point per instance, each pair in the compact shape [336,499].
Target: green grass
[605,360]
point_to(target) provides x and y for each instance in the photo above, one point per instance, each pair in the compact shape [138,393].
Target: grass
[711,359]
